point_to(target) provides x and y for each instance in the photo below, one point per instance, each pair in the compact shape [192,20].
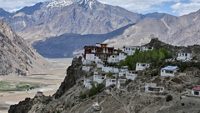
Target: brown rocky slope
[16,57]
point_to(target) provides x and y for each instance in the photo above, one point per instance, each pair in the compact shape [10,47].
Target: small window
[196,93]
[143,65]
[113,80]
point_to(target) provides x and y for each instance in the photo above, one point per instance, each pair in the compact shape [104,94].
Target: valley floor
[49,83]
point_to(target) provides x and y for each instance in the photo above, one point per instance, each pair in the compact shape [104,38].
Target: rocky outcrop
[26,105]
[74,72]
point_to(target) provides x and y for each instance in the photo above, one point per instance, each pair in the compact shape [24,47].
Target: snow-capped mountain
[63,3]
[58,17]
[59,3]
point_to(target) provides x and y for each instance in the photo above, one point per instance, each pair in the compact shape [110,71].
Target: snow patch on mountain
[60,3]
[63,3]
[87,3]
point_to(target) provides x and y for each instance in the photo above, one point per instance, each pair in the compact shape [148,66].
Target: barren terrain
[49,83]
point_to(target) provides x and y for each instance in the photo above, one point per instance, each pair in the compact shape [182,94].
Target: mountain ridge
[17,57]
[81,17]
[181,31]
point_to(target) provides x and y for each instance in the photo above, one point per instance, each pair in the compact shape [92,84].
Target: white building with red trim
[196,91]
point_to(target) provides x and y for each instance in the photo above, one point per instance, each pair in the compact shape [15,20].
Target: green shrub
[82,95]
[155,57]
[96,89]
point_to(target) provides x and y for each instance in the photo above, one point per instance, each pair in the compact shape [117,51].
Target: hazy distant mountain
[182,30]
[15,55]
[4,13]
[58,17]
[31,9]
[66,44]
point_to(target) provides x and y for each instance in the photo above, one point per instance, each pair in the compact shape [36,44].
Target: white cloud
[182,8]
[140,6]
[11,5]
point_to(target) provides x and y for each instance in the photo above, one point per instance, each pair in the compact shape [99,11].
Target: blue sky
[174,7]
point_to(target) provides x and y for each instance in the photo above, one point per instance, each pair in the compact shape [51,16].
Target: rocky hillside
[132,99]
[181,30]
[16,56]
[58,17]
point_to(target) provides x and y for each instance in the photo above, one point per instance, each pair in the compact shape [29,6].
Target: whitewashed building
[129,50]
[100,65]
[86,62]
[86,68]
[111,81]
[183,56]
[196,91]
[142,66]
[87,83]
[146,48]
[123,71]
[121,82]
[116,58]
[169,71]
[110,69]
[113,59]
[98,78]
[92,58]
[153,88]
[131,75]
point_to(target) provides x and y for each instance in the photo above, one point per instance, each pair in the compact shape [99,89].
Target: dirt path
[50,80]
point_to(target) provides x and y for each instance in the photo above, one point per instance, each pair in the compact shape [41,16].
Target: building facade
[142,66]
[169,71]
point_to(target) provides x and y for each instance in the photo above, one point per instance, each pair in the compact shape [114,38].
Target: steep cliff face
[74,72]
[16,56]
[43,104]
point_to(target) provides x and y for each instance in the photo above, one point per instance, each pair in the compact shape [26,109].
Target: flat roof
[170,68]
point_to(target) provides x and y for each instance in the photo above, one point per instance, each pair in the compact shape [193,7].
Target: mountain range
[54,18]
[16,57]
[180,31]
[64,20]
